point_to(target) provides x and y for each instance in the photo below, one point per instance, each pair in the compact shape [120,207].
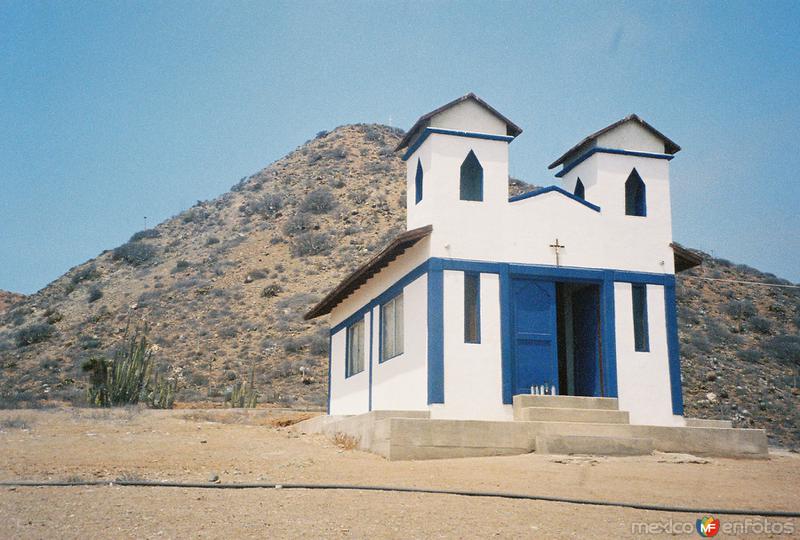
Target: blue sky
[112,111]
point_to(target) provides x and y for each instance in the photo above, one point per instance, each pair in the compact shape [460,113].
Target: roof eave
[363,273]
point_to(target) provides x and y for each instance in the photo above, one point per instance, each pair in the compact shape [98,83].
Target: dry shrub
[345,441]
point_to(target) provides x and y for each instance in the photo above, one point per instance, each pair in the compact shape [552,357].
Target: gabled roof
[360,276]
[669,145]
[512,129]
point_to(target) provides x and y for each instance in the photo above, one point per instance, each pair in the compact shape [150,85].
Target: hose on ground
[400,489]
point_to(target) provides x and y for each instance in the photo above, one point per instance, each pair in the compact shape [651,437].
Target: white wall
[472,371]
[401,383]
[348,395]
[631,136]
[469,116]
[643,383]
[522,231]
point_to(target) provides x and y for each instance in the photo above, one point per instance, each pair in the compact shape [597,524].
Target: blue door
[535,346]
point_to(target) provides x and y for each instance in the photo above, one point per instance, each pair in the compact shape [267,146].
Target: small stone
[213,478]
[712,397]
[203,441]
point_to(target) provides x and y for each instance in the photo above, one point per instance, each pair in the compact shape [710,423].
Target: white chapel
[563,290]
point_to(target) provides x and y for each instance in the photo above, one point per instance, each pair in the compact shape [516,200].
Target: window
[392,328]
[580,191]
[635,204]
[641,335]
[472,307]
[471,179]
[355,348]
[418,183]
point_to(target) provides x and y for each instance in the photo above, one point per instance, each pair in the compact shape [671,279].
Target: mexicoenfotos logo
[707,526]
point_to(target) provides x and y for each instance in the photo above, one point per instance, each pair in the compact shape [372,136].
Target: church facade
[563,290]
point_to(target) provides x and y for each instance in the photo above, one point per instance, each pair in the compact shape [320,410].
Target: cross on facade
[557,247]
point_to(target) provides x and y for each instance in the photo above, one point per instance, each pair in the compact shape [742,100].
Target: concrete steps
[522,401]
[552,414]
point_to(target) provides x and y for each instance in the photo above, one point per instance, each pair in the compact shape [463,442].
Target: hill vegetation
[223,287]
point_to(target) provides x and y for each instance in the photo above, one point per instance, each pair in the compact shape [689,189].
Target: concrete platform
[546,424]
[583,444]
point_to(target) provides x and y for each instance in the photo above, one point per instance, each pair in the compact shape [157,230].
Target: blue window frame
[392,328]
[641,334]
[418,183]
[354,355]
[471,186]
[635,196]
[472,307]
[580,191]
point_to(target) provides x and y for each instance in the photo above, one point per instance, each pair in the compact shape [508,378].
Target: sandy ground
[192,445]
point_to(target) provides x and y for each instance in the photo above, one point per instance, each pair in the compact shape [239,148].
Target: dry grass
[262,417]
[14,423]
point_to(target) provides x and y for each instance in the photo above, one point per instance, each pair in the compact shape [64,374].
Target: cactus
[126,379]
[244,396]
[162,393]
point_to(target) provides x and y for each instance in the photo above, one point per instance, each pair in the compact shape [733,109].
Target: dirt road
[196,445]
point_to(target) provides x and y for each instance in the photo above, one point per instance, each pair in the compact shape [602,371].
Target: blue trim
[589,153]
[476,275]
[371,319]
[609,334]
[548,189]
[673,348]
[330,361]
[558,273]
[435,331]
[506,334]
[471,134]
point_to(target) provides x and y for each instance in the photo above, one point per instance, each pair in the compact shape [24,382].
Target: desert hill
[8,299]
[223,287]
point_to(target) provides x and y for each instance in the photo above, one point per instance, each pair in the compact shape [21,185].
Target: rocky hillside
[223,287]
[740,347]
[8,299]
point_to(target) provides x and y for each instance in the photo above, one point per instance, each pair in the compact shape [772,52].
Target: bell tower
[624,169]
[457,172]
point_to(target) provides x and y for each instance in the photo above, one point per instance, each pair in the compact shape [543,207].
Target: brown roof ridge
[512,129]
[670,146]
[364,272]
[684,258]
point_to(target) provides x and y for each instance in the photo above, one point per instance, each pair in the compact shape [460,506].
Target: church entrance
[557,338]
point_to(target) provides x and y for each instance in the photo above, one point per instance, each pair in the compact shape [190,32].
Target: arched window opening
[580,191]
[635,203]
[418,183]
[471,179]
